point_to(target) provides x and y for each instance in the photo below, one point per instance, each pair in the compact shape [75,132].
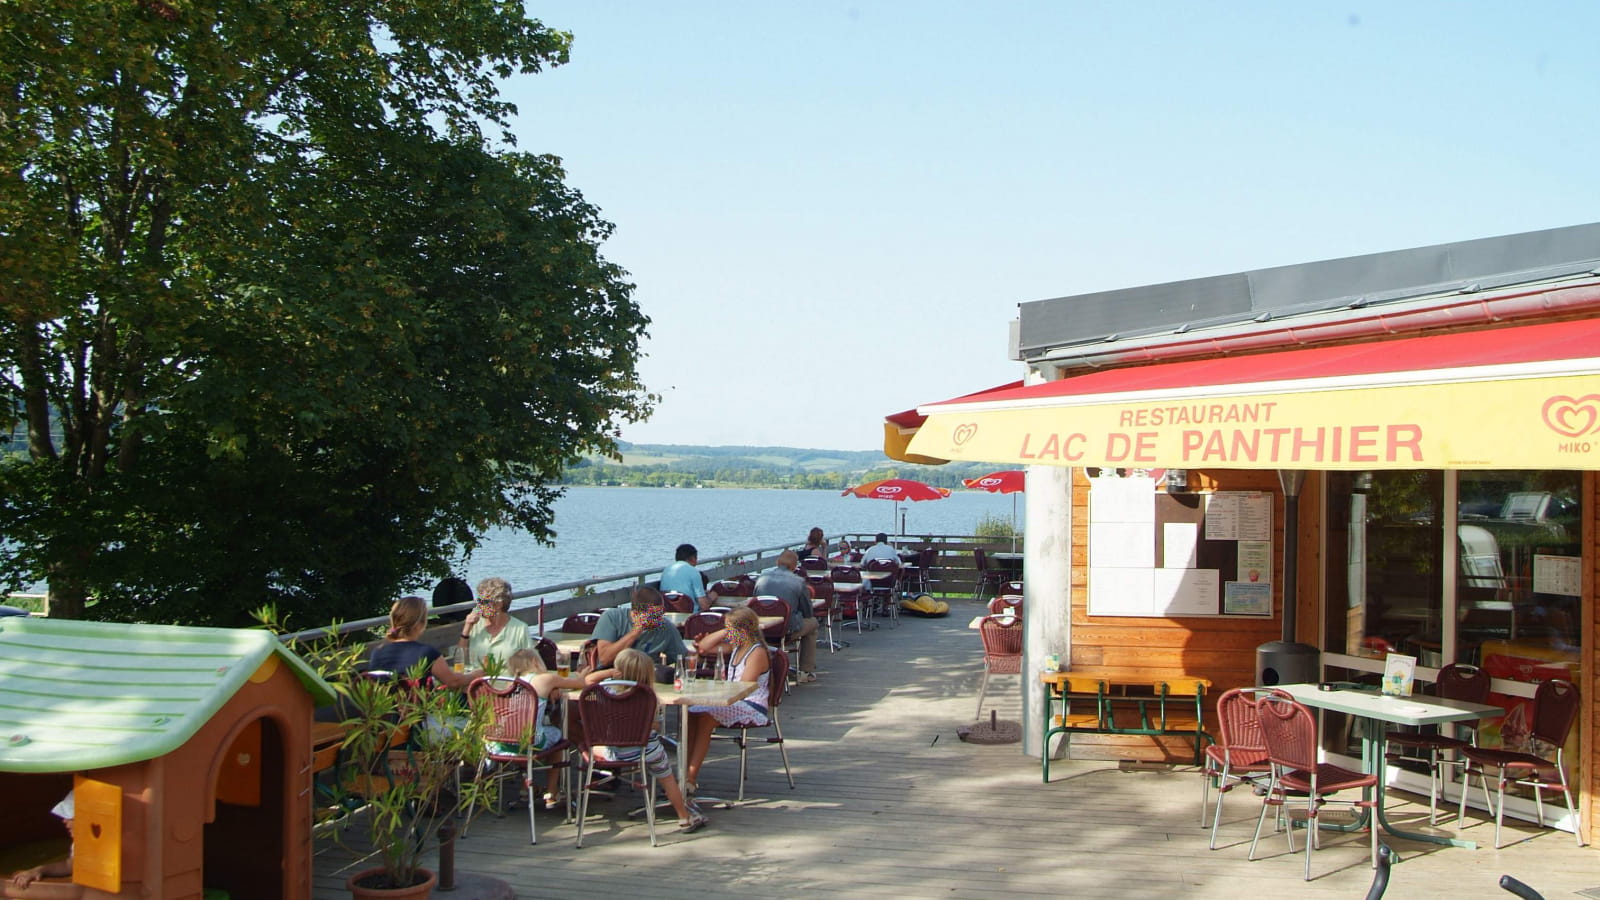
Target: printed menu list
[1239,516]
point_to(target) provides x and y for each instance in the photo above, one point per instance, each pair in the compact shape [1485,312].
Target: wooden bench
[1082,702]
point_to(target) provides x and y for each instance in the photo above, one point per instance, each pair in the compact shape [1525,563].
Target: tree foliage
[299,325]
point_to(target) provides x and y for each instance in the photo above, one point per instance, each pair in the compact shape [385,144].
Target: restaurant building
[1398,450]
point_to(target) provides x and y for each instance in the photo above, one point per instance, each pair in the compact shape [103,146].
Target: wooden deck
[890,803]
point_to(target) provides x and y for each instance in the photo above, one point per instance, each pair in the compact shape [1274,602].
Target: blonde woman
[748,660]
[632,665]
[490,629]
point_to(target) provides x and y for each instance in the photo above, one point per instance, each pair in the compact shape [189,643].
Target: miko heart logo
[988,482]
[964,433]
[887,490]
[1573,417]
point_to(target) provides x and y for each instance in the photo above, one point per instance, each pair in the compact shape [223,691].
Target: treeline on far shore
[662,465]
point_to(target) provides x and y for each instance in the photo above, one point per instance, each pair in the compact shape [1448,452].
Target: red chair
[619,722]
[823,604]
[880,592]
[989,578]
[1290,732]
[813,564]
[515,707]
[1555,708]
[581,623]
[699,625]
[678,602]
[549,653]
[849,594]
[777,676]
[1455,682]
[1011,587]
[1002,651]
[772,606]
[1240,751]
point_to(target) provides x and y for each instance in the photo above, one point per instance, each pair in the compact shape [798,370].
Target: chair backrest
[1238,723]
[616,721]
[581,623]
[1002,637]
[777,675]
[1555,708]
[980,559]
[772,606]
[814,564]
[515,705]
[881,564]
[928,558]
[699,625]
[1012,587]
[548,652]
[821,586]
[846,574]
[1458,681]
[677,601]
[1006,603]
[1289,731]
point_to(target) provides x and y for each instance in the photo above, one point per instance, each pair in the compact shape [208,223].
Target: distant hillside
[687,465]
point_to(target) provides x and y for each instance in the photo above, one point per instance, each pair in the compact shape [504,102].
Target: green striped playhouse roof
[85,695]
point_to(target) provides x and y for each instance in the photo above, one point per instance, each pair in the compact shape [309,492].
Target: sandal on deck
[693,823]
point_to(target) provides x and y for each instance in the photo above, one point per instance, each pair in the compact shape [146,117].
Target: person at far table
[880,550]
[641,625]
[490,629]
[816,545]
[683,577]
[782,582]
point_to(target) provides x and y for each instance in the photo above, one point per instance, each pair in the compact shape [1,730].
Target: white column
[1047,587]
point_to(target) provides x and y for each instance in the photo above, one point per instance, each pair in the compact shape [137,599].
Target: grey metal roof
[1306,288]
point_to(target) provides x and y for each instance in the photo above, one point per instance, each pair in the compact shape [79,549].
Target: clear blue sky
[831,209]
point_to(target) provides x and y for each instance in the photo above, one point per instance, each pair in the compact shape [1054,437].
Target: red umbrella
[897,489]
[1008,481]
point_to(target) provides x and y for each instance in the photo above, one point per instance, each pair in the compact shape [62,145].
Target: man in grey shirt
[783,583]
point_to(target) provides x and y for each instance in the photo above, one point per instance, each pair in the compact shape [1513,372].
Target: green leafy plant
[994,527]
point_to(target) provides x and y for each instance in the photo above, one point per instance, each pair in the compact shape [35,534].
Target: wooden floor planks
[882,809]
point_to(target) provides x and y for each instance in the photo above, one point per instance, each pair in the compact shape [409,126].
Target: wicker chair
[516,721]
[581,623]
[619,722]
[1002,651]
[679,602]
[1239,753]
[776,677]
[1555,708]
[1455,682]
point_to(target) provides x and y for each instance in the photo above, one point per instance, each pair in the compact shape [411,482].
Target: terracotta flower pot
[361,892]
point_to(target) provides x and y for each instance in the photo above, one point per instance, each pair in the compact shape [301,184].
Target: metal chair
[989,578]
[581,623]
[1240,752]
[1002,651]
[677,601]
[516,707]
[850,593]
[618,721]
[1555,708]
[1455,682]
[813,564]
[880,592]
[767,606]
[549,653]
[699,625]
[821,585]
[1290,732]
[777,676]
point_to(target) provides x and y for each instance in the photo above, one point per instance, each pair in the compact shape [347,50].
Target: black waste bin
[1285,662]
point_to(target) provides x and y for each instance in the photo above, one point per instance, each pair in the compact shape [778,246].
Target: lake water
[607,530]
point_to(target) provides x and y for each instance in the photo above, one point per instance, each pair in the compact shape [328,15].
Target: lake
[607,530]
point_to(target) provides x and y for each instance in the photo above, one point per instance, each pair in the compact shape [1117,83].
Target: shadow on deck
[889,803]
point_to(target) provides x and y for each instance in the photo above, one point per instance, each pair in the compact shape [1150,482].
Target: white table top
[705,692]
[1413,710]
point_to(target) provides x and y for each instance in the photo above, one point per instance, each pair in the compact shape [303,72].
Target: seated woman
[632,665]
[527,667]
[747,661]
[816,545]
[400,651]
[490,629]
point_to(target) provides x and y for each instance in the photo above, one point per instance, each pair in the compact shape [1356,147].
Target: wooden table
[1376,709]
[700,692]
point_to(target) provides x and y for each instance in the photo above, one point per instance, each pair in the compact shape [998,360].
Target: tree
[303,328]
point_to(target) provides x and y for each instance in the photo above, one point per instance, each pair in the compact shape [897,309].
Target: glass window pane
[1384,550]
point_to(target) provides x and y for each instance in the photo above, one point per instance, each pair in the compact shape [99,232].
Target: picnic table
[1092,702]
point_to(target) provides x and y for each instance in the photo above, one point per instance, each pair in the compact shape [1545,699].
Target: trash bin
[1286,662]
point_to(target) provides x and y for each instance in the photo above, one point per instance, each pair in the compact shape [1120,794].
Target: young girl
[526,666]
[747,661]
[632,665]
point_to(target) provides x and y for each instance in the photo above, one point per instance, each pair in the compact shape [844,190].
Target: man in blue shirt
[683,577]
[880,550]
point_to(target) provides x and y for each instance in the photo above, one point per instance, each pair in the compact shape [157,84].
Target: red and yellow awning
[1521,397]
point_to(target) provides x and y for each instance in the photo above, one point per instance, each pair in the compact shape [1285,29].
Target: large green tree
[280,319]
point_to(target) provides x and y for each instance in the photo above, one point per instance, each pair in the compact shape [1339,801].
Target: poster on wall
[1239,516]
[1255,561]
[1186,592]
[1247,598]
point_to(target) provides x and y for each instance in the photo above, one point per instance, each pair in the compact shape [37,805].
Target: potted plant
[404,751]
[399,768]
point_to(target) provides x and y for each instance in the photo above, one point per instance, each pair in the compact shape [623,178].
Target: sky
[830,210]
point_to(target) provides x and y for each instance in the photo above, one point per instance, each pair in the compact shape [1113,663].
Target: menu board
[1152,553]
